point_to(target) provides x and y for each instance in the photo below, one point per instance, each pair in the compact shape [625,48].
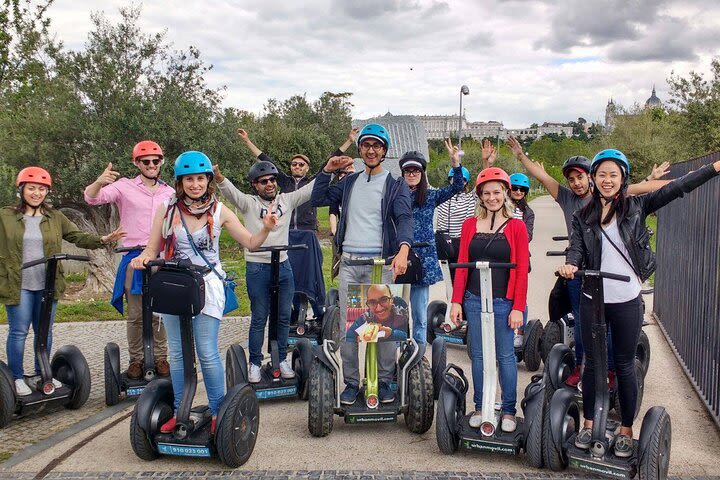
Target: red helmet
[146,147]
[493,174]
[34,175]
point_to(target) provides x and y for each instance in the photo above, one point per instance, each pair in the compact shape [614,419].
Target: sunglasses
[384,300]
[155,161]
[265,181]
[515,188]
[297,164]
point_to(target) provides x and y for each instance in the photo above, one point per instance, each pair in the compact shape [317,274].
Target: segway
[116,381]
[452,425]
[651,453]
[238,418]
[414,383]
[68,364]
[271,384]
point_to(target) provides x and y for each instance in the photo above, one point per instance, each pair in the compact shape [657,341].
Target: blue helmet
[520,180]
[465,172]
[611,154]
[378,132]
[192,162]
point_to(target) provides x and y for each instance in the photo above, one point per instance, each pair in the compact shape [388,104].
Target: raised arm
[679,187]
[533,168]
[324,194]
[240,200]
[488,154]
[246,140]
[93,191]
[241,234]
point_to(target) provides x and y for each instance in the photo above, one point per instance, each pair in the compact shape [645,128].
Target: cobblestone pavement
[91,338]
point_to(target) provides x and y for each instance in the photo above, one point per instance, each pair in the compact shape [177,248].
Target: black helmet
[579,162]
[260,169]
[413,158]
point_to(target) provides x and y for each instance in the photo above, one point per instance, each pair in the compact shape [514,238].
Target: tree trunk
[102,266]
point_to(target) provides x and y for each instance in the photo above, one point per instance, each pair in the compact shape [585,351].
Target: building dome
[653,101]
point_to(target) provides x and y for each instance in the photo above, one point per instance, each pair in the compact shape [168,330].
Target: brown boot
[162,368]
[135,371]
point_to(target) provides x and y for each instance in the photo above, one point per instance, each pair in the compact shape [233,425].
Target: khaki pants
[134,326]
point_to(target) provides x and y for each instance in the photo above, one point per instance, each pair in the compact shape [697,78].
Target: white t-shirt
[611,261]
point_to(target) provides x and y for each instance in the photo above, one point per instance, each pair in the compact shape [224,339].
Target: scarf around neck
[172,220]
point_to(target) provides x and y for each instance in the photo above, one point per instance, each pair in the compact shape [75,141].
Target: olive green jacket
[54,227]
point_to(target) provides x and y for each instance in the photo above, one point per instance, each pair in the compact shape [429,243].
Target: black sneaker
[349,395]
[386,394]
[623,446]
[584,438]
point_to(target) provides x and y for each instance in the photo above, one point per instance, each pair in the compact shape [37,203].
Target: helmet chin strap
[373,168]
[154,179]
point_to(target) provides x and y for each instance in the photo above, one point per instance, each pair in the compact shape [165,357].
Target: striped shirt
[452,214]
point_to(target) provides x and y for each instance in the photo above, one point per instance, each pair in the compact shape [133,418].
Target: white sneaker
[57,383]
[518,341]
[508,424]
[476,419]
[286,370]
[254,373]
[21,388]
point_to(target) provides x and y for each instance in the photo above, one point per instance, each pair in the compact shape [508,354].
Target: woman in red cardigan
[493,235]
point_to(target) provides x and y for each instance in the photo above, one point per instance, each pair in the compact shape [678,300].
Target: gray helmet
[260,169]
[577,162]
[413,158]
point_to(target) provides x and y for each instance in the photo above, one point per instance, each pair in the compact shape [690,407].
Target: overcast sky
[524,61]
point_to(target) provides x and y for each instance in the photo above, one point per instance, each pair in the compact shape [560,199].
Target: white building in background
[441,126]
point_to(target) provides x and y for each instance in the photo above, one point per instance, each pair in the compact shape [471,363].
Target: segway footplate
[500,442]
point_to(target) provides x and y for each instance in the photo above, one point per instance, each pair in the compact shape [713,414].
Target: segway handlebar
[556,253]
[560,238]
[598,273]
[479,264]
[185,264]
[129,249]
[280,248]
[388,261]
[58,257]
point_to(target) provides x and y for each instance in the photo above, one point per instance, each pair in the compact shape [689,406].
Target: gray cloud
[671,39]
[480,40]
[372,8]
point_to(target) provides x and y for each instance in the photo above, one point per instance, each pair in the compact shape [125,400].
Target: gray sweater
[253,209]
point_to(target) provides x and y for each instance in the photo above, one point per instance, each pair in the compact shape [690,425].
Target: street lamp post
[464,90]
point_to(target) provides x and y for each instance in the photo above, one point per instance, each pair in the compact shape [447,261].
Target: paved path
[285,449]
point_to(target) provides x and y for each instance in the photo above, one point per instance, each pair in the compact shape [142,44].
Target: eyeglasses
[297,164]
[155,161]
[384,300]
[372,146]
[265,181]
[412,171]
[516,188]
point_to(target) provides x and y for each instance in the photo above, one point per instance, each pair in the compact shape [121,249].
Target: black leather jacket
[586,239]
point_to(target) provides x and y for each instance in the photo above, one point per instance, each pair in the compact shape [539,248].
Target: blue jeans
[205,330]
[419,296]
[258,280]
[504,350]
[575,293]
[20,317]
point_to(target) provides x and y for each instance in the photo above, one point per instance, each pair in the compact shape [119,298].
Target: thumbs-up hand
[108,176]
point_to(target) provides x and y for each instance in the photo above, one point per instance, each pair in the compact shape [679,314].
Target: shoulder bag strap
[195,249]
[494,236]
[602,231]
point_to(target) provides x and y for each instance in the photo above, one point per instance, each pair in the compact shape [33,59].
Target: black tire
[439,362]
[642,351]
[558,366]
[331,325]
[532,350]
[640,379]
[655,460]
[435,317]
[446,434]
[554,456]
[112,389]
[301,362]
[321,400]
[533,441]
[139,440]
[7,395]
[238,430]
[70,367]
[236,367]
[550,336]
[419,416]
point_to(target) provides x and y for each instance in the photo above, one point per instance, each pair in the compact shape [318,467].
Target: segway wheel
[533,407]
[531,350]
[331,325]
[439,361]
[140,440]
[435,318]
[235,366]
[301,361]
[238,429]
[70,367]
[446,420]
[655,443]
[321,397]
[642,352]
[559,365]
[554,454]
[550,336]
[419,416]
[640,380]
[112,389]
[7,395]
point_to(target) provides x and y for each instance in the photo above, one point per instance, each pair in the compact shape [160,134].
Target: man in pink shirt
[137,200]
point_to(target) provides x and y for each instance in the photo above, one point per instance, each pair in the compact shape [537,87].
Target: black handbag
[177,291]
[444,244]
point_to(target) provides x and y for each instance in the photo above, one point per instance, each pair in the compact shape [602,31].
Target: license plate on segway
[179,450]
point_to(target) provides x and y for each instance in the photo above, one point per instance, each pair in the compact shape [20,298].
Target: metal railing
[687,282]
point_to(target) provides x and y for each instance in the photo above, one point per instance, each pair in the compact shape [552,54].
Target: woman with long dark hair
[609,234]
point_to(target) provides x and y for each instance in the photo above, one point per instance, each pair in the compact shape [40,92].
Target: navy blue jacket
[396,209]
